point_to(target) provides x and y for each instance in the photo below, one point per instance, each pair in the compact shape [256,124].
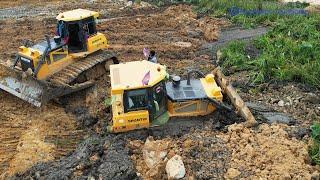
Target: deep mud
[112,157]
[96,157]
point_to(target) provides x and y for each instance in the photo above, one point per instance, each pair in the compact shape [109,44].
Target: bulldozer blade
[235,98]
[34,91]
[29,91]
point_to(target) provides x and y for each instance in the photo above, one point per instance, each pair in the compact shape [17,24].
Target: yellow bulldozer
[144,95]
[69,62]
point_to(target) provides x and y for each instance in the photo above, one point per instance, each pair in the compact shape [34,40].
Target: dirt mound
[266,153]
[204,156]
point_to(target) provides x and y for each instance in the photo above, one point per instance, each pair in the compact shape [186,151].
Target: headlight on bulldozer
[121,121]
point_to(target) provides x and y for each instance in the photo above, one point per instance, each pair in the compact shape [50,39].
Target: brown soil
[30,135]
[164,33]
[267,153]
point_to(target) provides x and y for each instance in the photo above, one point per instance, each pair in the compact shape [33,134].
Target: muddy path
[229,35]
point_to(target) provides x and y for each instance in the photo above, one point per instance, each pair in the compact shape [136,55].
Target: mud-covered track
[73,71]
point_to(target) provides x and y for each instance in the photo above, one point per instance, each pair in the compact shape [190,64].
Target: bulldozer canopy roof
[136,74]
[77,14]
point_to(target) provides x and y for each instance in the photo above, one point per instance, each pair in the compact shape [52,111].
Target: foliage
[290,52]
[234,56]
[314,150]
[219,8]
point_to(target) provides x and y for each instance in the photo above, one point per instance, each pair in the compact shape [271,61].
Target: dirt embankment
[266,152]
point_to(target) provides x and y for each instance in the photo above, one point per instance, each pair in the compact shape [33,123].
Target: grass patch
[218,8]
[290,52]
[314,149]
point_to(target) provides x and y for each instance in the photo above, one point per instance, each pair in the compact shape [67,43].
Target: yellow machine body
[76,38]
[197,107]
[126,77]
[59,58]
[127,82]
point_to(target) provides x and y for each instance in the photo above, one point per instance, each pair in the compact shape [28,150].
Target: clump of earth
[266,152]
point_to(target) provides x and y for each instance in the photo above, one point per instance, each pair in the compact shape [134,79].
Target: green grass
[218,8]
[290,52]
[314,150]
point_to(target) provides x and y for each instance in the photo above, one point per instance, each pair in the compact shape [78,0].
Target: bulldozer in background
[69,62]
[144,95]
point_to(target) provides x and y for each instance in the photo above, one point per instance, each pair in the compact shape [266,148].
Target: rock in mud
[281,103]
[154,152]
[276,117]
[204,155]
[298,132]
[232,173]
[175,168]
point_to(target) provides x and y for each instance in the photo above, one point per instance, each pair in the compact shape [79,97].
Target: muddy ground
[41,143]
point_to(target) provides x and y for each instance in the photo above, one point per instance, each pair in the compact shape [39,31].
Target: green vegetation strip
[314,150]
[290,51]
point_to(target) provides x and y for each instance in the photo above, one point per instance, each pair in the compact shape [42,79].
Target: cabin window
[89,26]
[136,100]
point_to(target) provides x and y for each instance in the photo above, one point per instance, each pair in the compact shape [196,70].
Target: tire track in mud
[29,135]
